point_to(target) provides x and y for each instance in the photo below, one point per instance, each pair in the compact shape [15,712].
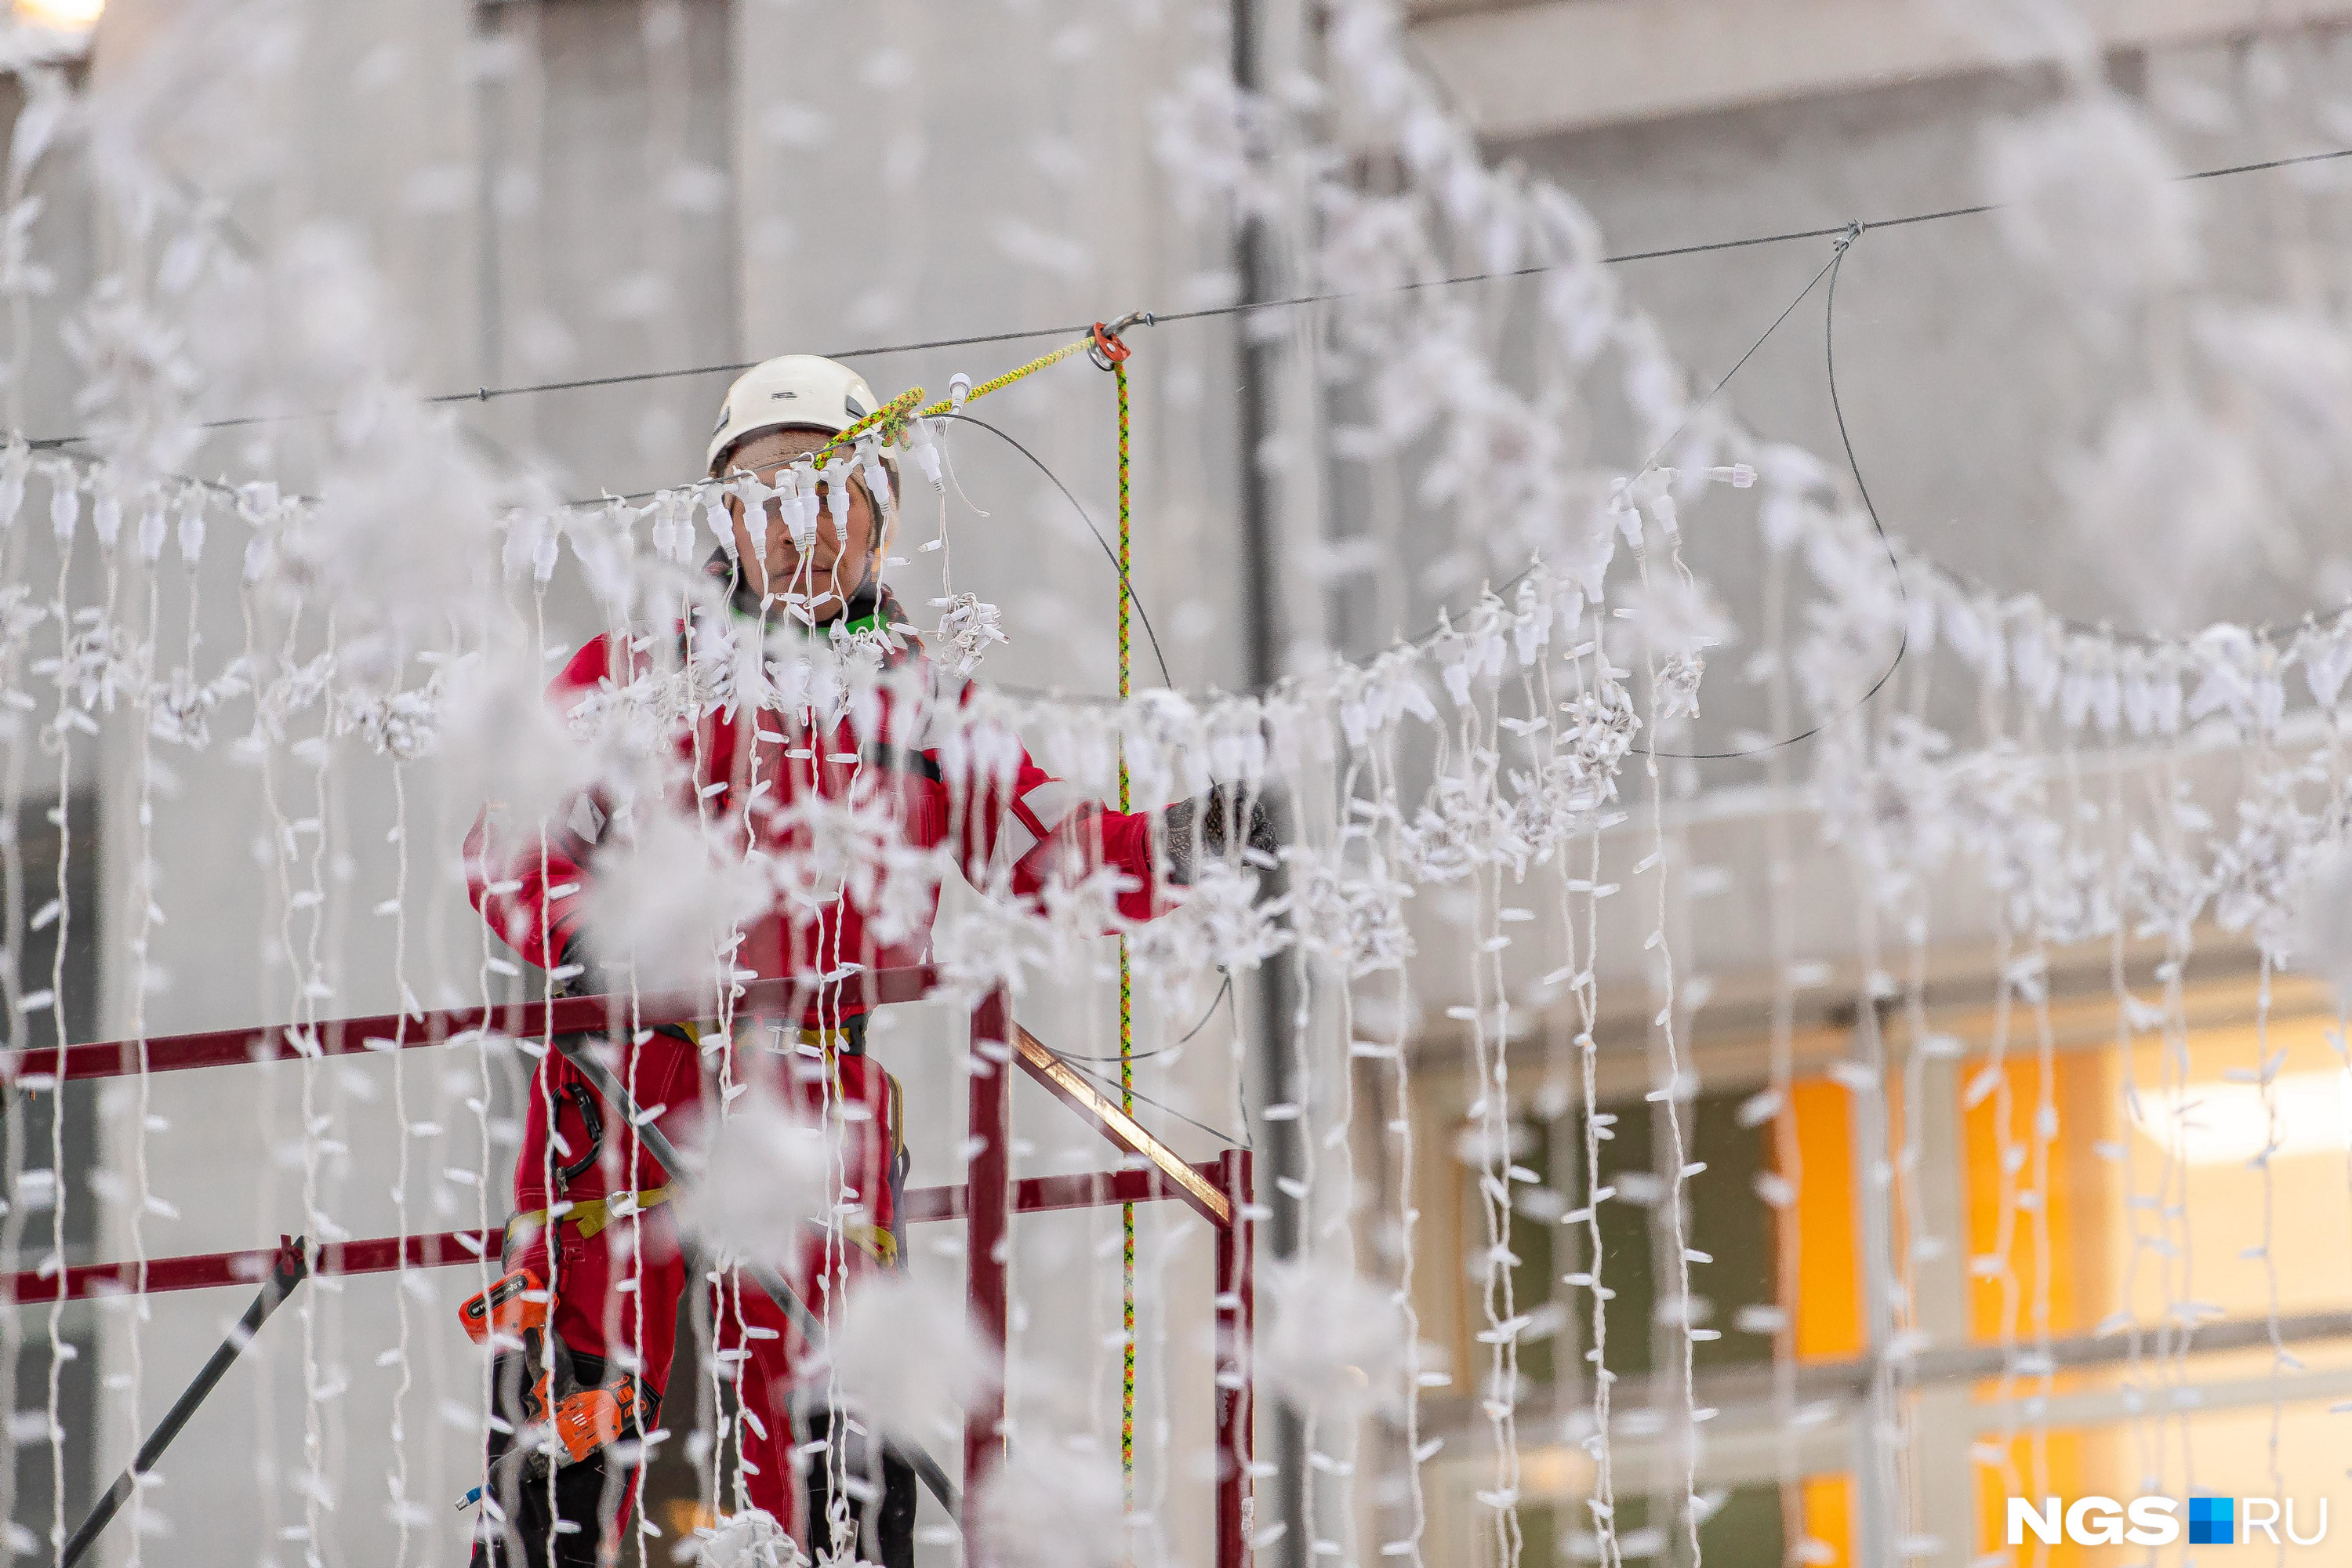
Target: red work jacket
[746,770]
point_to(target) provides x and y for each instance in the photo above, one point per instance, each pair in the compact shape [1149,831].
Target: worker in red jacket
[601,1278]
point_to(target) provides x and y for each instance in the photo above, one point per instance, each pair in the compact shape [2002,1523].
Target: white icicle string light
[1780,1186]
[1863,1073]
[1491,1113]
[1923,1248]
[2135,684]
[1305,1196]
[538,1049]
[2266,1071]
[16,706]
[697,651]
[486,963]
[2172,1022]
[58,738]
[2124,1151]
[146,913]
[297,685]
[1360,851]
[1995,1081]
[267,850]
[1581,896]
[46,98]
[448,1373]
[406,1512]
[2044,1362]
[1340,1200]
[353,1094]
[1672,1082]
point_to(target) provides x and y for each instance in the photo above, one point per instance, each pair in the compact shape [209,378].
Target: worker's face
[838,559]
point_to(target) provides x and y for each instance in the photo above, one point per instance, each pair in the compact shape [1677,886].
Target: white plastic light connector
[106,517]
[721,523]
[153,527]
[800,513]
[1739,475]
[665,529]
[1628,515]
[788,500]
[927,454]
[877,476]
[835,475]
[958,391]
[192,528]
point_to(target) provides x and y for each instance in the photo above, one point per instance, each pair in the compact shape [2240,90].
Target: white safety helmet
[805,390]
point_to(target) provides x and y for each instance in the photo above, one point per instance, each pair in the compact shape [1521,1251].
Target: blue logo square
[2212,1522]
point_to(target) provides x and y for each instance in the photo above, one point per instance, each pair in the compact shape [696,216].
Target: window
[2088,1293]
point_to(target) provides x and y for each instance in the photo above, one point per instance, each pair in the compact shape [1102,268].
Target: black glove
[1190,828]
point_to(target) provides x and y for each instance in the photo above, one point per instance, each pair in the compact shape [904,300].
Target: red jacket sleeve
[1028,827]
[526,879]
[1042,828]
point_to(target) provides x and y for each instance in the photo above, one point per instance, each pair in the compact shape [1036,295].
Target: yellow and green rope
[891,420]
[893,417]
[1126,982]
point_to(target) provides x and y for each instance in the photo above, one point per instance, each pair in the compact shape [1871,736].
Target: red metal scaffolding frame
[1218,1190]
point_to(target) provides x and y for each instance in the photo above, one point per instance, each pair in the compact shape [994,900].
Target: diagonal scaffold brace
[579,1050]
[288,1269]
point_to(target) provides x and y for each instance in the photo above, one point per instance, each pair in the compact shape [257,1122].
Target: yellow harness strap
[872,1240]
[596,1212]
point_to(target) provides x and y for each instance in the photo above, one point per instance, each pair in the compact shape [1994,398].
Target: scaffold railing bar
[379,1255]
[1039,1061]
[203,1270]
[388,1031]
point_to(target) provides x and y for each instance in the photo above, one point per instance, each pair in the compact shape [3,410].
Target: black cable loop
[1846,236]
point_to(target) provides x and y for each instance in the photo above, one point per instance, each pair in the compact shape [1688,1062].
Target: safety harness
[590,1216]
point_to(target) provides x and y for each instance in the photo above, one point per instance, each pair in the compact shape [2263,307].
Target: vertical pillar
[1236,1375]
[989,1191]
